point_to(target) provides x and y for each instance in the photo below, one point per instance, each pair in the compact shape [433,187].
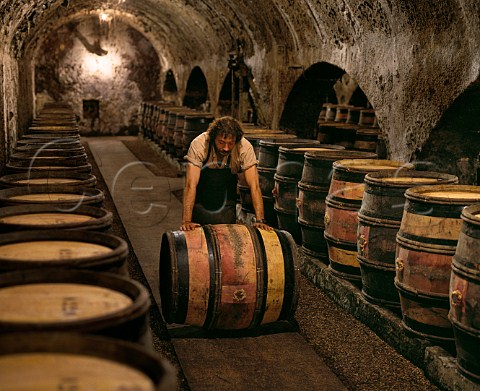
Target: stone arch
[196,93]
[359,99]
[224,105]
[170,89]
[453,146]
[310,91]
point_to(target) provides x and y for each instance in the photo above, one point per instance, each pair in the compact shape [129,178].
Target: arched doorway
[196,93]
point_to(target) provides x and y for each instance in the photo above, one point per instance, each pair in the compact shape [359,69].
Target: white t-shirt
[242,155]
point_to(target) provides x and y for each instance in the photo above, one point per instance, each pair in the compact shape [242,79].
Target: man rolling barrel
[213,161]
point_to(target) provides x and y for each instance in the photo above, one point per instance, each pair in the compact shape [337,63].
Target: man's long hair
[225,126]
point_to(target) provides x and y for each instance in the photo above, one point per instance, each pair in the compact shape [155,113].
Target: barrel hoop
[290,298]
[284,179]
[462,327]
[470,228]
[346,175]
[341,243]
[337,203]
[440,300]
[305,186]
[262,276]
[377,222]
[215,278]
[180,245]
[343,203]
[375,265]
[468,274]
[310,225]
[285,211]
[432,245]
[435,333]
[266,170]
[435,210]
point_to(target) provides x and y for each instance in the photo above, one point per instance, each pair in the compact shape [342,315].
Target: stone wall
[413,60]
[106,63]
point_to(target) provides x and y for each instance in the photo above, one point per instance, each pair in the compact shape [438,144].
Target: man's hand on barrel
[262,224]
[189,226]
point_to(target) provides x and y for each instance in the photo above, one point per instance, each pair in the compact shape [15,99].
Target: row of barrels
[388,228]
[70,316]
[172,127]
[351,126]
[410,239]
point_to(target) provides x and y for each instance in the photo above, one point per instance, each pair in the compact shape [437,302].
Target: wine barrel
[464,293]
[74,147]
[366,139]
[268,149]
[35,179]
[255,138]
[343,201]
[42,158]
[312,192]
[379,220]
[367,117]
[426,242]
[194,125]
[353,116]
[79,301]
[57,166]
[344,134]
[288,173]
[73,361]
[228,277]
[66,196]
[341,114]
[330,111]
[29,144]
[170,128]
[53,129]
[71,249]
[267,167]
[48,137]
[31,217]
[178,133]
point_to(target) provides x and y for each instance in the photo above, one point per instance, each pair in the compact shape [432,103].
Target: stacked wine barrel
[172,127]
[65,293]
[353,127]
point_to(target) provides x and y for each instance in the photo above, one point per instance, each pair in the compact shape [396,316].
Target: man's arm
[251,177]
[191,181]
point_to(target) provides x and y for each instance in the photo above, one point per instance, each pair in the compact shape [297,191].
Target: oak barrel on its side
[69,197]
[62,360]
[426,242]
[228,277]
[53,299]
[70,249]
[464,294]
[342,204]
[378,223]
[33,217]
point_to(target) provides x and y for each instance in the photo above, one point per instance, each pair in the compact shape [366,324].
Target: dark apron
[215,201]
